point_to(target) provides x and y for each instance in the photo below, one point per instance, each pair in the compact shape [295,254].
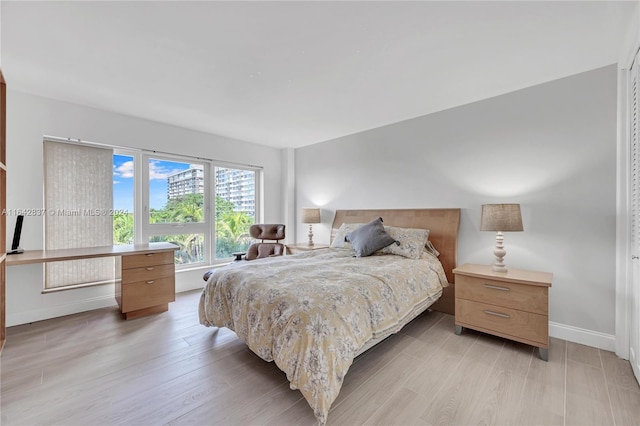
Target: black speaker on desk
[15,245]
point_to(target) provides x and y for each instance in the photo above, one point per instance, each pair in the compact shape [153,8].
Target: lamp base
[310,235]
[496,268]
[499,253]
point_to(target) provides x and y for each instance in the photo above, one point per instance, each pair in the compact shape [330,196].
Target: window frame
[143,230]
[137,187]
[148,229]
[258,179]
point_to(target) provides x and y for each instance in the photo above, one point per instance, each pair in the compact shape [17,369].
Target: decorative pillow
[339,239]
[369,238]
[412,241]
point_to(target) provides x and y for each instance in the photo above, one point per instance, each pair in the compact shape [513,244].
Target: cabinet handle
[497,314]
[497,287]
[152,281]
[149,254]
[151,268]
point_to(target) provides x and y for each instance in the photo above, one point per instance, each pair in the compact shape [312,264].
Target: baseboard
[187,280]
[583,336]
[34,315]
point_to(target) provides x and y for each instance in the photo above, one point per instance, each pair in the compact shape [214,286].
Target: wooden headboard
[443,225]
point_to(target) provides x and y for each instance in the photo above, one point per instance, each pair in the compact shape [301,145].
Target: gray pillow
[369,238]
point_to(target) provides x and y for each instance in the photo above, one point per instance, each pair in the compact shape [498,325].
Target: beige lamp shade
[501,217]
[310,215]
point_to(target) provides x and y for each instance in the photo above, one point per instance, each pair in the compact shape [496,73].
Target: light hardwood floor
[96,369]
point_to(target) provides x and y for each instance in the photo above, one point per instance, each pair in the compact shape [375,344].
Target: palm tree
[123,228]
[232,233]
[188,208]
[191,246]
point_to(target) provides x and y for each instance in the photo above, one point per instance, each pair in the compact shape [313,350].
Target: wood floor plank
[625,405]
[425,344]
[584,354]
[437,370]
[94,368]
[543,395]
[422,324]
[498,398]
[587,400]
[375,392]
[451,402]
[618,371]
[109,371]
[369,363]
[403,408]
[299,414]
[199,388]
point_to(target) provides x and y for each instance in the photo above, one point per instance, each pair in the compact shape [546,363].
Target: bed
[312,313]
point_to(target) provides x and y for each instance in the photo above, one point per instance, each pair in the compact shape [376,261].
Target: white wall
[30,117]
[551,148]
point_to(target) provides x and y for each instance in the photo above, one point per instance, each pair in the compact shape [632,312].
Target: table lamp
[500,218]
[310,216]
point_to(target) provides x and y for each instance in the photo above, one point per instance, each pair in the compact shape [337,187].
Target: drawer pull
[497,314]
[149,254]
[151,268]
[152,281]
[497,287]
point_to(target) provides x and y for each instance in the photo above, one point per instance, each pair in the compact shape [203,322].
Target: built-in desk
[147,282]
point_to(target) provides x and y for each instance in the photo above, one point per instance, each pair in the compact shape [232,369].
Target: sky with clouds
[159,170]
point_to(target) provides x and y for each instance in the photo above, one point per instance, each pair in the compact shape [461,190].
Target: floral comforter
[312,312]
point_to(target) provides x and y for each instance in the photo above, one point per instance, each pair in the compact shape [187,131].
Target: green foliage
[232,227]
[185,209]
[223,207]
[232,233]
[123,228]
[191,247]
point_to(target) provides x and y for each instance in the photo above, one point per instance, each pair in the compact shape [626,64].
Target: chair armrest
[238,255]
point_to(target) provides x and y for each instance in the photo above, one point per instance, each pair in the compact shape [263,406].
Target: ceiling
[290,74]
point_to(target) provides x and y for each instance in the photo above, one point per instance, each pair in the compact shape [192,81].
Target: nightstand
[302,247]
[513,304]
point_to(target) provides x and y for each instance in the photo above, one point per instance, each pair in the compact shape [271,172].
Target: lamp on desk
[310,216]
[500,218]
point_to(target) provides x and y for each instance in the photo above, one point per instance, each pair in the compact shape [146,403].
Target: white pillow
[346,228]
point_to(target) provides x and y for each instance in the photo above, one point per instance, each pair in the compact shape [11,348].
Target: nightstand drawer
[501,320]
[141,295]
[529,298]
[147,259]
[147,273]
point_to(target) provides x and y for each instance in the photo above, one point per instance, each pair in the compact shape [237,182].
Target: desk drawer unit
[147,284]
[514,305]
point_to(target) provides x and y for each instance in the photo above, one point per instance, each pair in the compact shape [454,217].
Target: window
[174,206]
[123,198]
[235,209]
[204,207]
